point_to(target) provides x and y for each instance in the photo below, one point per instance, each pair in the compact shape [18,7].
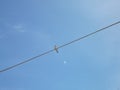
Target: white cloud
[12,28]
[99,10]
[19,28]
[114,80]
[107,9]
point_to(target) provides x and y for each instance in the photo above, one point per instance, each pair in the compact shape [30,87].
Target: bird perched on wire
[56,49]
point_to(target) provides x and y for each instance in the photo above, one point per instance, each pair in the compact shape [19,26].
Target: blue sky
[30,27]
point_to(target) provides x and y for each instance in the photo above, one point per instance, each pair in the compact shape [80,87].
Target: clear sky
[30,27]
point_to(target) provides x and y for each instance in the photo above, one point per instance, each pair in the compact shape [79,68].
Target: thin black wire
[30,59]
[47,52]
[88,35]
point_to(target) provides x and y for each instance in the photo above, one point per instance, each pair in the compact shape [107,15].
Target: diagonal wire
[55,49]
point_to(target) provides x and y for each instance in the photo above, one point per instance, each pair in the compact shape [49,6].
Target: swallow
[56,48]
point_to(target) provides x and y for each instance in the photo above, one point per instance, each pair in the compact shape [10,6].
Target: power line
[30,59]
[56,48]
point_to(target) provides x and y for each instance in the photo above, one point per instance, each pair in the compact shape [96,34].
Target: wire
[56,48]
[30,59]
[89,34]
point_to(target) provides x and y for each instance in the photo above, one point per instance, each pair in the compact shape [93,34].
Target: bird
[56,49]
